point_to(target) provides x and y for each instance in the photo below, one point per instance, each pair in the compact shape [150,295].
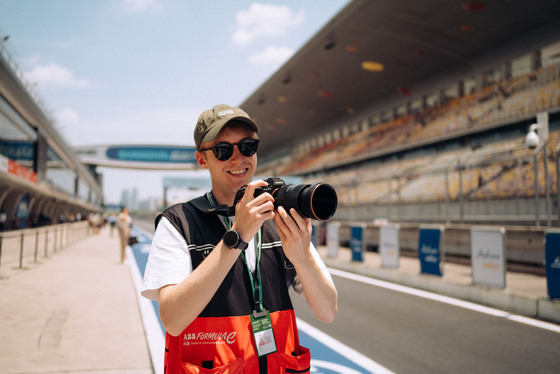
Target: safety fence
[19,248]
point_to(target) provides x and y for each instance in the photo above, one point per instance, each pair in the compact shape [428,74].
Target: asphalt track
[384,327]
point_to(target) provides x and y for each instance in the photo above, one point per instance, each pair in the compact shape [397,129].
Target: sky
[141,71]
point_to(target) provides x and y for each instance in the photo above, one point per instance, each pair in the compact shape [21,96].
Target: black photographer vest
[221,337]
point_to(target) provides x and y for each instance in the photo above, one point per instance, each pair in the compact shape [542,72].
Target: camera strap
[223,210]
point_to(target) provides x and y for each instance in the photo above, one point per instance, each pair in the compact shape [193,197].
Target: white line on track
[356,357]
[447,300]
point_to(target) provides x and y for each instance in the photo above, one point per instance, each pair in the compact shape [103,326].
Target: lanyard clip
[260,314]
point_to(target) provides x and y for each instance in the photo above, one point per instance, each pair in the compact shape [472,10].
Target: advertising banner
[552,260]
[332,239]
[488,256]
[357,242]
[389,245]
[429,252]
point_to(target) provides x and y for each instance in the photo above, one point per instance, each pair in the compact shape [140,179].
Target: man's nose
[236,153]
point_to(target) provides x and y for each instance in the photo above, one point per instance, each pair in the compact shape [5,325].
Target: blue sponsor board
[165,154]
[357,242]
[552,260]
[429,251]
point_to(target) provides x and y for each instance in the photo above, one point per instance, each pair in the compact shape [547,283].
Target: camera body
[317,201]
[273,185]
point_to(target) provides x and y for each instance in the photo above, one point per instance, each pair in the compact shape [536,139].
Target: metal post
[389,202]
[536,187]
[447,196]
[46,242]
[547,190]
[36,245]
[460,169]
[536,183]
[55,239]
[21,251]
[1,237]
[558,183]
[399,201]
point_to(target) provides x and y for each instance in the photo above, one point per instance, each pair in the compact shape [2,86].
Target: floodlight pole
[541,147]
[531,140]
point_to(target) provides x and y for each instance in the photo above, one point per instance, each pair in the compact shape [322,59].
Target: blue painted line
[141,251]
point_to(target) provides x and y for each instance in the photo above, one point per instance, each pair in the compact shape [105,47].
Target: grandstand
[451,147]
[455,152]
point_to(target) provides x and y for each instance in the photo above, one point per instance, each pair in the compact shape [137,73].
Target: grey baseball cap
[212,121]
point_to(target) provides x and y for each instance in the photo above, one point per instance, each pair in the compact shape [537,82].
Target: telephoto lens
[317,201]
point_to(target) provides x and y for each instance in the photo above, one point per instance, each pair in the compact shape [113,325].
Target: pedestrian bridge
[139,156]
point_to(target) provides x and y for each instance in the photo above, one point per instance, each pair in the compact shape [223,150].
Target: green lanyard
[257,291]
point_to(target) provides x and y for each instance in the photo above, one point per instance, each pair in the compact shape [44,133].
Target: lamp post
[536,140]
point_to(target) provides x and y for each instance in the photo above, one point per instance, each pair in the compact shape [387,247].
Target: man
[222,282]
[123,225]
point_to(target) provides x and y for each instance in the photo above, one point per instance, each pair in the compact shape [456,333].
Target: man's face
[230,175]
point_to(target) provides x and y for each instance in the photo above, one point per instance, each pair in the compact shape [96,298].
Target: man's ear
[201,160]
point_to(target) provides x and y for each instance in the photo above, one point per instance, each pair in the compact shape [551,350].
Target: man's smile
[238,172]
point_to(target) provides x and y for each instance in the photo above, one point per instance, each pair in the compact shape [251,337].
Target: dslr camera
[317,201]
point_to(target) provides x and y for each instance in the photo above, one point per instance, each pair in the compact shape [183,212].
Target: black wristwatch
[233,240]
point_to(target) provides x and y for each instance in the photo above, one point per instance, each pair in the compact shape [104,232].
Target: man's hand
[251,212]
[295,233]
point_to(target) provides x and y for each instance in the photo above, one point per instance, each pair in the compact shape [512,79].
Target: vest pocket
[229,368]
[299,362]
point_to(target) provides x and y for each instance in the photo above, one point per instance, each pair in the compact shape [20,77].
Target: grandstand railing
[503,183]
[20,75]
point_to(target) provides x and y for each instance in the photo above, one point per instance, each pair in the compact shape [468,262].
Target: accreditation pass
[263,333]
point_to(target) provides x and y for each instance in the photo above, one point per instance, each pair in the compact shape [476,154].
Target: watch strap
[232,239]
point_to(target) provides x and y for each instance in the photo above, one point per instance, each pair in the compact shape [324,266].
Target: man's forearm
[320,293]
[181,303]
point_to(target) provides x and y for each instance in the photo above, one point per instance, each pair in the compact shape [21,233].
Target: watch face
[231,238]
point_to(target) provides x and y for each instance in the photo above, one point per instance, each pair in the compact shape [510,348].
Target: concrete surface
[72,312]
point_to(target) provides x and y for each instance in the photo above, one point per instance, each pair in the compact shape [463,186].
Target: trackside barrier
[333,238]
[430,252]
[17,245]
[552,261]
[357,241]
[488,256]
[389,249]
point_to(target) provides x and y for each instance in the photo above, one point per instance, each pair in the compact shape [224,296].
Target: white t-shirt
[169,261]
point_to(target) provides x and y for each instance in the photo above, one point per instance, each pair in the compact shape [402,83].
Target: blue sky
[143,70]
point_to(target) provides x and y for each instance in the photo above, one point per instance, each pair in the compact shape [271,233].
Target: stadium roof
[402,43]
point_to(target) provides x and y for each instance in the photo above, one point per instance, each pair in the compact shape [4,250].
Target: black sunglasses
[223,151]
